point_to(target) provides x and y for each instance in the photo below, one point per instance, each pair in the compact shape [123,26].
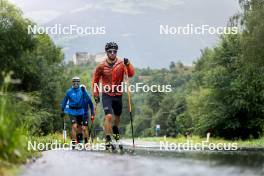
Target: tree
[226,90]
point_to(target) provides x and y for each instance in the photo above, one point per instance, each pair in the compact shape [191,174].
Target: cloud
[65,48]
[84,8]
[127,34]
[124,7]
[64,40]
[138,7]
[130,7]
[160,4]
[43,16]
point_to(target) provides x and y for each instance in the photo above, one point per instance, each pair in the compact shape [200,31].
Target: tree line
[222,92]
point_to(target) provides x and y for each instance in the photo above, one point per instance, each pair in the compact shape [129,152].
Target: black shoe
[73,144]
[108,142]
[85,140]
[79,138]
[116,134]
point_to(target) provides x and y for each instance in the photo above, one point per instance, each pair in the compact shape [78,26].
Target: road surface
[145,162]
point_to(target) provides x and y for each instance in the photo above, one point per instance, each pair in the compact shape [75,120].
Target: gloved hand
[97,99]
[83,88]
[126,61]
[85,124]
[92,118]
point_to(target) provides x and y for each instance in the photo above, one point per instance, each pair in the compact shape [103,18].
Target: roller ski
[73,144]
[109,146]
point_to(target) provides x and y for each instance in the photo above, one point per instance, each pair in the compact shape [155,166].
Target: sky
[134,25]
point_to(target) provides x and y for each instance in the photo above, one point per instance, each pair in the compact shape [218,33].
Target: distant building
[81,58]
[99,57]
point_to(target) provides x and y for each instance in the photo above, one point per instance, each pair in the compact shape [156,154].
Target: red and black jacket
[110,75]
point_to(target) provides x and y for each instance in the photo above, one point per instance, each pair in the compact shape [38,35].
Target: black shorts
[85,119]
[77,119]
[112,104]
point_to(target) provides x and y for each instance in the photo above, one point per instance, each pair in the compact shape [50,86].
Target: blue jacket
[77,102]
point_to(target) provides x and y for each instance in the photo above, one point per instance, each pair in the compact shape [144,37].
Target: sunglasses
[111,51]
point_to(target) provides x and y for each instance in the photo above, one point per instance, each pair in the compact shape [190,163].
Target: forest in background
[222,92]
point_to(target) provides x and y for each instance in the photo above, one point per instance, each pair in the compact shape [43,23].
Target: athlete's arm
[64,101]
[95,83]
[90,103]
[130,70]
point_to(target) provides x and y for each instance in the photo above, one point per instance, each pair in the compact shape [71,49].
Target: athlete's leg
[117,108]
[108,124]
[107,105]
[73,132]
[84,128]
[79,128]
[73,127]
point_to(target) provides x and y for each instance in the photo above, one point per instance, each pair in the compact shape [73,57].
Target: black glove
[126,61]
[97,99]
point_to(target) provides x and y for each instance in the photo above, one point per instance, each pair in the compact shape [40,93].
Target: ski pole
[90,130]
[129,106]
[64,129]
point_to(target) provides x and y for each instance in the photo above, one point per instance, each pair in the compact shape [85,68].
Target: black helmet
[111,45]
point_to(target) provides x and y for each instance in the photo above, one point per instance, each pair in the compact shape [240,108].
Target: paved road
[87,163]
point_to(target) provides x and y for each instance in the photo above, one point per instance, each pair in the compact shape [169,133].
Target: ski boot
[73,144]
[116,136]
[79,138]
[108,143]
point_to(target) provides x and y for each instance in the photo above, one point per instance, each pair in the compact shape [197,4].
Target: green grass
[11,168]
[251,143]
[49,138]
[13,134]
[8,169]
